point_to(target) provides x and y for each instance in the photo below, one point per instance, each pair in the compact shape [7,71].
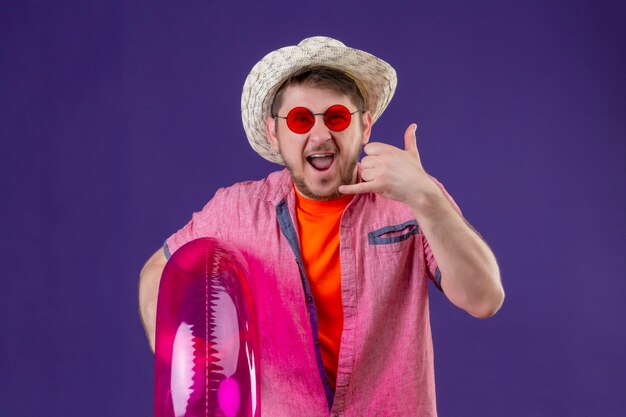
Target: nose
[319,133]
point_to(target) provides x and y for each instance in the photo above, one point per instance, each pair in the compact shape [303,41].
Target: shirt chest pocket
[394,237]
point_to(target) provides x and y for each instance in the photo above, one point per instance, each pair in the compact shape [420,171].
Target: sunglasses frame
[276,116]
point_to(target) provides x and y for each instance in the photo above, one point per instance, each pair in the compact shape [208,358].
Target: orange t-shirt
[318,227]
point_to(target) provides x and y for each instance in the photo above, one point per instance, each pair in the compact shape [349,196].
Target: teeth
[317,155]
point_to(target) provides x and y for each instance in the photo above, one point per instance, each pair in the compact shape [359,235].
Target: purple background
[119,119]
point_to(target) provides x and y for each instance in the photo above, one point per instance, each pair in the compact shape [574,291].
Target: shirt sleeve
[432,270]
[203,223]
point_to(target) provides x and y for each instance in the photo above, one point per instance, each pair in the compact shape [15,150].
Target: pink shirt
[386,355]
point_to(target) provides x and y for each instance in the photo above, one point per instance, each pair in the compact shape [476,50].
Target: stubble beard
[347,176]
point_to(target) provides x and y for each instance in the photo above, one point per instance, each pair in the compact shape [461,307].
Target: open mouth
[321,161]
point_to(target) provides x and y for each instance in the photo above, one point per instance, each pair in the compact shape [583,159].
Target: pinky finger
[360,188]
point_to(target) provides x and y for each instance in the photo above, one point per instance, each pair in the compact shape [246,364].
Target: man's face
[319,160]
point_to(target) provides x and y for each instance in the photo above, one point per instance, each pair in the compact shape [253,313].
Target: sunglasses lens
[300,120]
[337,118]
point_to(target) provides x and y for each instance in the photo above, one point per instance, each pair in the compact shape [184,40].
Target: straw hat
[376,79]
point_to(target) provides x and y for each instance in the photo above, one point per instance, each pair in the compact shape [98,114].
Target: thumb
[410,140]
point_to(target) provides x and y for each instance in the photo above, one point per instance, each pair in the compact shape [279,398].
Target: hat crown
[316,42]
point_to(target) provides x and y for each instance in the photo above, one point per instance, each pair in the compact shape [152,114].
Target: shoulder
[275,185]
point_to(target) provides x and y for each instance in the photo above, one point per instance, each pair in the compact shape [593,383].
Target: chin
[324,188]
[331,195]
[325,192]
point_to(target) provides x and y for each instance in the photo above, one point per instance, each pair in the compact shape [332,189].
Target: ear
[270,129]
[366,124]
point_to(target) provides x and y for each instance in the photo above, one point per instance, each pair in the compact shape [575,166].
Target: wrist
[430,203]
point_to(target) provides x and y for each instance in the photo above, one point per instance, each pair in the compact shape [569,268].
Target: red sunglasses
[301,119]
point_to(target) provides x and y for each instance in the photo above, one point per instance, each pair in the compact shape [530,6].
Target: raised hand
[394,173]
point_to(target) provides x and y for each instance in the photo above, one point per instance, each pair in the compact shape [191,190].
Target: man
[346,249]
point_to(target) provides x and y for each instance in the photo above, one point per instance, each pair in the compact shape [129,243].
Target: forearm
[470,273]
[149,280]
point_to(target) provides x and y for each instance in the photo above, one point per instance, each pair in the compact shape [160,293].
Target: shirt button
[316,341]
[326,382]
[309,298]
